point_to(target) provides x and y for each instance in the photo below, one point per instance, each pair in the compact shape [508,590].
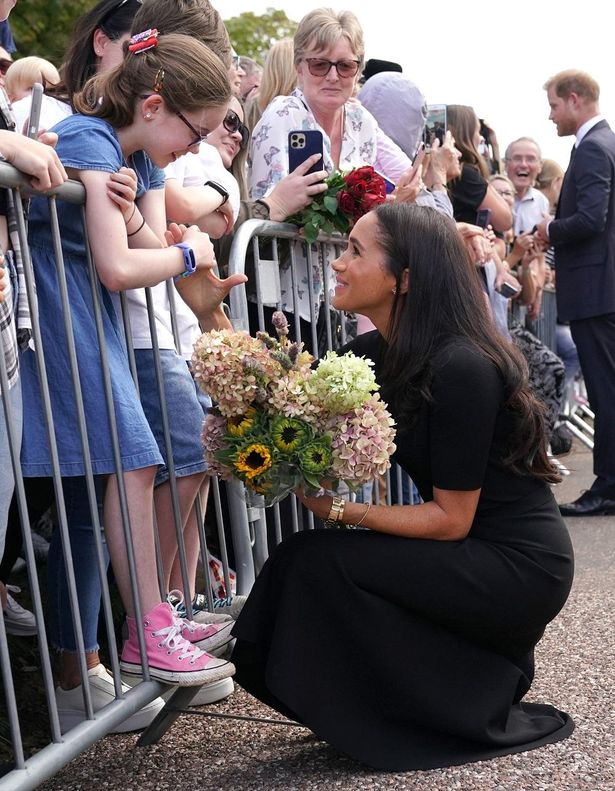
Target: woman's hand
[409,184]
[443,163]
[122,189]
[477,244]
[320,506]
[35,158]
[296,191]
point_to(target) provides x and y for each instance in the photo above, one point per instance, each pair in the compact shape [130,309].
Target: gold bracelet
[336,513]
[362,519]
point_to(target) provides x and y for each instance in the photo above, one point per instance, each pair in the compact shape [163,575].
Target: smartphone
[35,110]
[435,125]
[483,218]
[508,290]
[388,184]
[302,143]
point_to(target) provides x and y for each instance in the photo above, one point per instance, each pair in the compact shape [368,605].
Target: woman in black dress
[410,644]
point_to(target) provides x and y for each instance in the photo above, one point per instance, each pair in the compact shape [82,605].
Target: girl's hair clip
[143,41]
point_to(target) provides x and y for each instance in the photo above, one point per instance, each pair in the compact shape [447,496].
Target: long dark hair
[114,19]
[462,121]
[446,303]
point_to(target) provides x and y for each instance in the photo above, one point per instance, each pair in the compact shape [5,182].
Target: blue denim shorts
[186,410]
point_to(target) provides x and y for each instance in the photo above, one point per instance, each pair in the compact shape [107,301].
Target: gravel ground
[575,671]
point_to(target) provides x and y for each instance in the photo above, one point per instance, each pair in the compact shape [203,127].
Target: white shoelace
[181,621]
[173,641]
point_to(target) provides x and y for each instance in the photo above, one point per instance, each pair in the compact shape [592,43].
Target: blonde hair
[186,74]
[551,170]
[322,28]
[572,81]
[26,71]
[279,78]
[501,177]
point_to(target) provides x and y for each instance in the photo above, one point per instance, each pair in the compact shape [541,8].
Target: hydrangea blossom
[362,442]
[213,437]
[342,383]
[232,368]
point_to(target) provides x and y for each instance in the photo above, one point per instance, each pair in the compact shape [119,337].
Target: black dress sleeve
[467,393]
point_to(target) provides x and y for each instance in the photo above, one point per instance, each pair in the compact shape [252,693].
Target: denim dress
[85,143]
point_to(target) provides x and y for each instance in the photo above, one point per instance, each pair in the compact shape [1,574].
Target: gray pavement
[574,671]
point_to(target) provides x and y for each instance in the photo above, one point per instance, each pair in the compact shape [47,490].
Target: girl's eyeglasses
[320,67]
[232,123]
[198,137]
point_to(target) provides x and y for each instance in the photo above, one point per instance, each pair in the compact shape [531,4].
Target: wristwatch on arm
[189,260]
[219,188]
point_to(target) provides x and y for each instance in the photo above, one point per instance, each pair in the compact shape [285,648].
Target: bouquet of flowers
[280,424]
[348,197]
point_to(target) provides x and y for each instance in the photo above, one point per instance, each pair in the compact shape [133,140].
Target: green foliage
[44,27]
[253,35]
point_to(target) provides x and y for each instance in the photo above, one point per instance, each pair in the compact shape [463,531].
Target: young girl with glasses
[116,127]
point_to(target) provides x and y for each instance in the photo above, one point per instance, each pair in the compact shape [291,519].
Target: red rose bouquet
[348,197]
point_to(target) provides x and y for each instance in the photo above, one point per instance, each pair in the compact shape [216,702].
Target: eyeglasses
[112,11]
[236,61]
[519,159]
[232,123]
[505,193]
[320,67]
[5,64]
[198,137]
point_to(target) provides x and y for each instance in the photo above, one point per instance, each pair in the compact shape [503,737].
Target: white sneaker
[18,620]
[208,693]
[71,710]
[231,605]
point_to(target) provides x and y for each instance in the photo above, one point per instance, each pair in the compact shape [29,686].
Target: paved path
[575,671]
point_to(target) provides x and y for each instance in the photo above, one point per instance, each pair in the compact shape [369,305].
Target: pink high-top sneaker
[171,657]
[208,636]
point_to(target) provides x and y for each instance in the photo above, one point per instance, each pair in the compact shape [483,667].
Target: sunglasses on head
[320,67]
[114,9]
[232,123]
[5,64]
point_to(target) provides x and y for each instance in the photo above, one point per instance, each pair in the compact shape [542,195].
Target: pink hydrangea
[362,442]
[291,396]
[232,368]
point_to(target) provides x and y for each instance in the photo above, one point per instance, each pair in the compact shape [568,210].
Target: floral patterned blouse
[268,164]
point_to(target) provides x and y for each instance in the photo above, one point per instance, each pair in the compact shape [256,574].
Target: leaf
[311,231]
[330,203]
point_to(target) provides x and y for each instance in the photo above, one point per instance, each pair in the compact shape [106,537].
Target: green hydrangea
[342,383]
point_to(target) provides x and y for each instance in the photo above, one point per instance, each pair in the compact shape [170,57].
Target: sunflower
[289,434]
[253,461]
[316,458]
[238,425]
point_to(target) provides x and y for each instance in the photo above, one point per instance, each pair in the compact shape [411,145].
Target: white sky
[493,55]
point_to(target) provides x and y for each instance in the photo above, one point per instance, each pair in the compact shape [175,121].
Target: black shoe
[588,504]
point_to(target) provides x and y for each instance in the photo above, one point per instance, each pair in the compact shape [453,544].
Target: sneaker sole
[222,637]
[186,678]
[70,718]
[17,630]
[210,693]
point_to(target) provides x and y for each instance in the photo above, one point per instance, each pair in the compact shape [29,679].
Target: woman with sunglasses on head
[138,113]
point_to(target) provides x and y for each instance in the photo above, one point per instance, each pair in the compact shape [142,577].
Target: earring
[148,115]
[394,290]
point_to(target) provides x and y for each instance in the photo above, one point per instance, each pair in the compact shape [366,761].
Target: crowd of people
[427,648]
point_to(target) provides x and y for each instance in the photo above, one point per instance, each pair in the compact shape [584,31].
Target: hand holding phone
[35,110]
[483,218]
[435,125]
[508,290]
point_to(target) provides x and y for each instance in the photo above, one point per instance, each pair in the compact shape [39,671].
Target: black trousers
[595,342]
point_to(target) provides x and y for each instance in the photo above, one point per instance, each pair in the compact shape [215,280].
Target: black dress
[410,653]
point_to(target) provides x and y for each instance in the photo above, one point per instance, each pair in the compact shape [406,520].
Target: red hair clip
[143,41]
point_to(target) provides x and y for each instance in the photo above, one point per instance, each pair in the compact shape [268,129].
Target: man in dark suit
[583,235]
